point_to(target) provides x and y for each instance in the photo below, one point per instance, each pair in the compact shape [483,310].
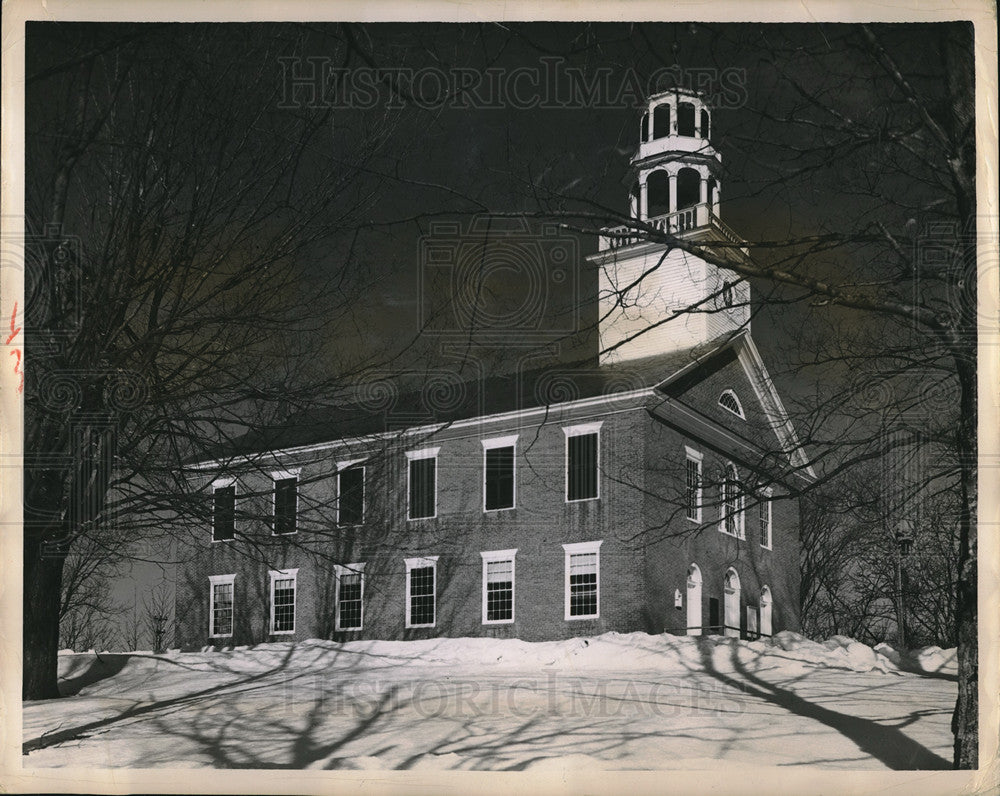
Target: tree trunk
[42,592]
[965,720]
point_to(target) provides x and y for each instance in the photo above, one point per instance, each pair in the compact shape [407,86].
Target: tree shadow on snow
[139,708]
[87,671]
[885,743]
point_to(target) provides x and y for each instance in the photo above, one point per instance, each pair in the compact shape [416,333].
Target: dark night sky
[442,161]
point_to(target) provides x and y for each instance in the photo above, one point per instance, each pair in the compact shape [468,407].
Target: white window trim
[765,498]
[282,574]
[411,456]
[572,549]
[347,465]
[491,556]
[281,475]
[222,483]
[740,504]
[213,581]
[348,569]
[417,563]
[690,454]
[736,400]
[578,431]
[491,444]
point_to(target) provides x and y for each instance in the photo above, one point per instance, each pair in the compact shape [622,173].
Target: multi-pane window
[351,496]
[730,402]
[283,601]
[286,503]
[220,614]
[350,596]
[498,475]
[498,586]
[732,503]
[692,486]
[582,462]
[422,483]
[582,595]
[224,513]
[764,515]
[421,584]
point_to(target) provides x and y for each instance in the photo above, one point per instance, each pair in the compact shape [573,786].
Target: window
[764,512]
[705,125]
[732,504]
[350,597]
[729,401]
[351,495]
[421,586]
[685,119]
[220,609]
[499,486]
[727,294]
[498,586]
[286,502]
[692,487]
[582,452]
[224,511]
[283,601]
[661,121]
[583,582]
[422,489]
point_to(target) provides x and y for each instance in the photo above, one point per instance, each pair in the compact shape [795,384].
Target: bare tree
[180,287]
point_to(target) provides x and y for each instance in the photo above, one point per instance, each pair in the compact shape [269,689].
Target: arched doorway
[694,601]
[765,611]
[731,608]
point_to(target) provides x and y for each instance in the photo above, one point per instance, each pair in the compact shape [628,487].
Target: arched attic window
[704,125]
[728,400]
[644,128]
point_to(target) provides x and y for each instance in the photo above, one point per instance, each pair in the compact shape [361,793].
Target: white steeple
[680,300]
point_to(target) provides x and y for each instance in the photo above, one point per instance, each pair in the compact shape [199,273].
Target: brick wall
[647,544]
[675,542]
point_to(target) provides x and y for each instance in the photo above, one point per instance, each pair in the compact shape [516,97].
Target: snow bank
[788,652]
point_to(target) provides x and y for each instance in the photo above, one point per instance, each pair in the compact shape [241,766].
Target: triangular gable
[736,364]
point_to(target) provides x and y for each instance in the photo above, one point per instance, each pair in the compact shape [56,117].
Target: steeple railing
[690,219]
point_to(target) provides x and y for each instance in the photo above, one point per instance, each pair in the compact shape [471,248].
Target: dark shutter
[422,472]
[285,504]
[500,478]
[224,513]
[352,496]
[582,467]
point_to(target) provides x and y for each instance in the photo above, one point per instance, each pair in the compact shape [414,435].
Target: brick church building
[654,495]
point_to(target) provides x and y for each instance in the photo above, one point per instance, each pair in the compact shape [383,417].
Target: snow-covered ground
[616,701]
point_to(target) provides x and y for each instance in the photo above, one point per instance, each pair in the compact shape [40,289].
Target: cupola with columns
[654,300]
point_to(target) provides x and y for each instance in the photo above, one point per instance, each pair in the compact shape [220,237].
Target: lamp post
[904,544]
